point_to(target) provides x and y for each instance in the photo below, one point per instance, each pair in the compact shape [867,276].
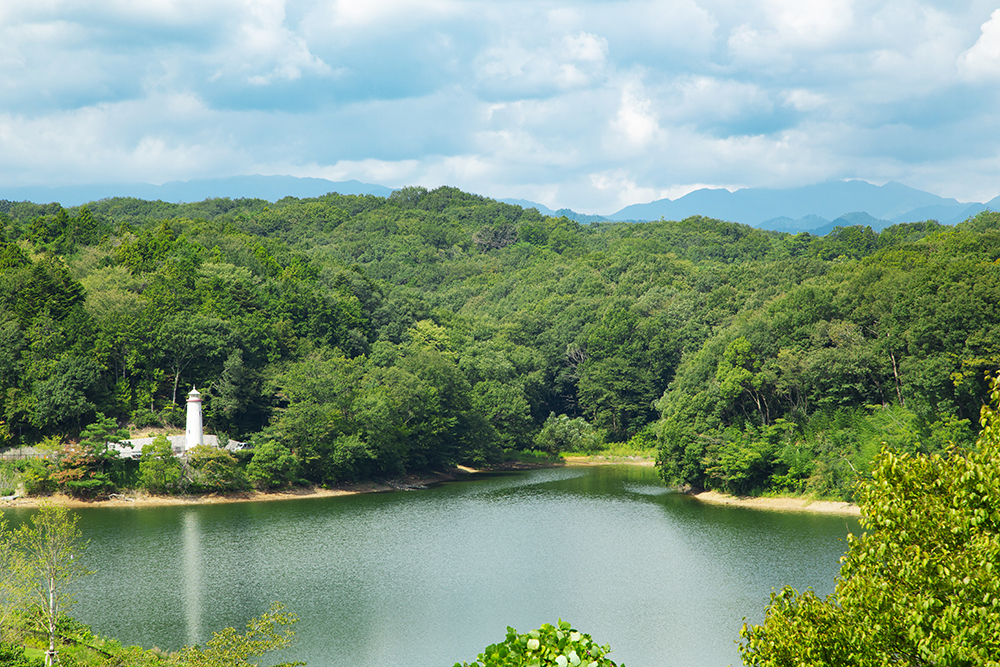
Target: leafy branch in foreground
[270,631]
[549,646]
[921,586]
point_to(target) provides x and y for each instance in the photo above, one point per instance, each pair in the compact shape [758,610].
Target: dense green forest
[354,337]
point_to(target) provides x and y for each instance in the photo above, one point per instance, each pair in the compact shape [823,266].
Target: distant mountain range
[569,213]
[814,208]
[271,188]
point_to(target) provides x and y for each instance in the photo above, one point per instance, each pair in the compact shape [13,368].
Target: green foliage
[550,646]
[214,470]
[681,454]
[563,434]
[37,477]
[43,562]
[103,432]
[159,470]
[271,631]
[454,325]
[11,586]
[743,463]
[506,409]
[86,469]
[13,655]
[921,585]
[825,456]
[740,372]
[268,632]
[65,397]
[10,477]
[273,466]
[81,472]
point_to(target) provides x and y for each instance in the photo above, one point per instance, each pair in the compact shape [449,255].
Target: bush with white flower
[549,646]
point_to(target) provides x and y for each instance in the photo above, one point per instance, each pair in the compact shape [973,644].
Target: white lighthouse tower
[194,435]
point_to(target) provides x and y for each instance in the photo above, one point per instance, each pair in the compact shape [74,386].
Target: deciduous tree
[45,564]
[921,586]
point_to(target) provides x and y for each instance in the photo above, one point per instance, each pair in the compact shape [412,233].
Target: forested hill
[358,336]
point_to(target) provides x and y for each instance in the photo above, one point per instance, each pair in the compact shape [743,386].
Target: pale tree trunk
[50,655]
[899,383]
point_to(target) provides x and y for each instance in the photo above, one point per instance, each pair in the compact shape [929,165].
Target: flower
[533,644]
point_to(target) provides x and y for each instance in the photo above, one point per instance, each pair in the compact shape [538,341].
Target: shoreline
[780,504]
[599,460]
[143,499]
[413,482]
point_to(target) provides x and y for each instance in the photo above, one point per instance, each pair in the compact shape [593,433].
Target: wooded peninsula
[349,338]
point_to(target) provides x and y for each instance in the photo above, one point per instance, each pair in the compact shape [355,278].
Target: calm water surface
[428,578]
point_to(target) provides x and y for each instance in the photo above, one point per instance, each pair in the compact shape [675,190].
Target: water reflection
[191,573]
[432,577]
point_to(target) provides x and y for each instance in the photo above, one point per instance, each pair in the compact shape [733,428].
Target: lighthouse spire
[194,435]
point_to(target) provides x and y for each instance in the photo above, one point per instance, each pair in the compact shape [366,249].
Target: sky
[589,105]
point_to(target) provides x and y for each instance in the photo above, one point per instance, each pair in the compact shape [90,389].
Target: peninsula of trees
[352,337]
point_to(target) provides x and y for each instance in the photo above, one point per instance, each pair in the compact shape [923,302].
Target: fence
[22,453]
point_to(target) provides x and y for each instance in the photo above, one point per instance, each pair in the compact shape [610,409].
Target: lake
[430,577]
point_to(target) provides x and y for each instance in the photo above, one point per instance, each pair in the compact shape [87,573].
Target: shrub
[273,465]
[550,646]
[159,470]
[562,434]
[37,477]
[214,470]
[13,655]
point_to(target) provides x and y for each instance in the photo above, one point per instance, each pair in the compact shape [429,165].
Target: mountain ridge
[256,186]
[892,202]
[816,208]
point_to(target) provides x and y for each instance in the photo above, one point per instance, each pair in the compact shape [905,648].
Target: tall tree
[188,341]
[45,564]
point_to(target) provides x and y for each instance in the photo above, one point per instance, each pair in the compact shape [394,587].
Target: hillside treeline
[352,337]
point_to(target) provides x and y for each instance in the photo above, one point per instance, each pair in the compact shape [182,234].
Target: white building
[194,434]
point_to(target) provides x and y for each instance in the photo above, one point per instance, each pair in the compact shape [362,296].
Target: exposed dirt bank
[142,499]
[781,504]
[597,460]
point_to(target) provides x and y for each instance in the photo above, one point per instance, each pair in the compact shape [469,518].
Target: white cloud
[620,186]
[814,24]
[382,14]
[804,100]
[153,141]
[671,33]
[513,70]
[982,61]
[635,122]
[783,31]
[701,99]
[383,172]
[588,105]
[584,48]
[263,49]
[117,12]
